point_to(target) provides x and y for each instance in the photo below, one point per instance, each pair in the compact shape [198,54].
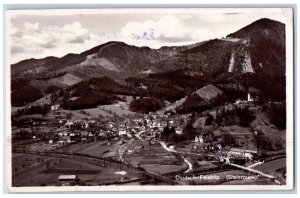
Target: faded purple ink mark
[146,35]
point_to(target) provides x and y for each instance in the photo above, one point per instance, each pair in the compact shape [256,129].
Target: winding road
[172,150]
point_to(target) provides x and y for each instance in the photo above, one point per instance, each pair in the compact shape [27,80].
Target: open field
[118,109]
[22,161]
[92,148]
[41,129]
[115,149]
[243,136]
[48,170]
[95,112]
[67,79]
[74,115]
[270,167]
[152,157]
[162,169]
[262,122]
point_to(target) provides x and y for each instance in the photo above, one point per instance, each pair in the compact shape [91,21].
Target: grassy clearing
[117,109]
[22,161]
[271,166]
[161,169]
[37,177]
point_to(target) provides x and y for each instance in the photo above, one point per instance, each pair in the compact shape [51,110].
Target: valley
[118,114]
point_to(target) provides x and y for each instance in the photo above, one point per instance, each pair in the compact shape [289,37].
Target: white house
[178,131]
[67,178]
[90,134]
[246,153]
[69,123]
[129,135]
[111,125]
[200,139]
[249,98]
[122,131]
[55,107]
[129,151]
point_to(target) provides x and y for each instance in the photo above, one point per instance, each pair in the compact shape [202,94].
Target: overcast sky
[37,34]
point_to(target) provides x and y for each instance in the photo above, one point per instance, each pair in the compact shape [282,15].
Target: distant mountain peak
[266,20]
[259,25]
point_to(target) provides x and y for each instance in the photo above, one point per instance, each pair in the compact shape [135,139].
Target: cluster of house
[224,152]
[145,127]
[83,123]
[43,147]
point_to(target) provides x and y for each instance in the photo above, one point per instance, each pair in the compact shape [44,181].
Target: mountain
[239,52]
[115,59]
[266,45]
[252,57]
[29,66]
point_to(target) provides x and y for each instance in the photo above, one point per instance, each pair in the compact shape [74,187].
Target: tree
[172,138]
[145,105]
[167,131]
[209,120]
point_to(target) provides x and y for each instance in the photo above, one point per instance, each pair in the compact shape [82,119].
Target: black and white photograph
[154,99]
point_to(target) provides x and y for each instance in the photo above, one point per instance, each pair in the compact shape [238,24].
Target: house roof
[243,150]
[67,177]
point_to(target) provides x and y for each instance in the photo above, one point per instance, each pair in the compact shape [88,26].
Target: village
[63,131]
[132,141]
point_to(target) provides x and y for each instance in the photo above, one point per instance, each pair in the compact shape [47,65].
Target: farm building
[244,152]
[67,179]
[122,131]
[55,107]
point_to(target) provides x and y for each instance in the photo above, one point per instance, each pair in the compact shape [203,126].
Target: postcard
[140,99]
